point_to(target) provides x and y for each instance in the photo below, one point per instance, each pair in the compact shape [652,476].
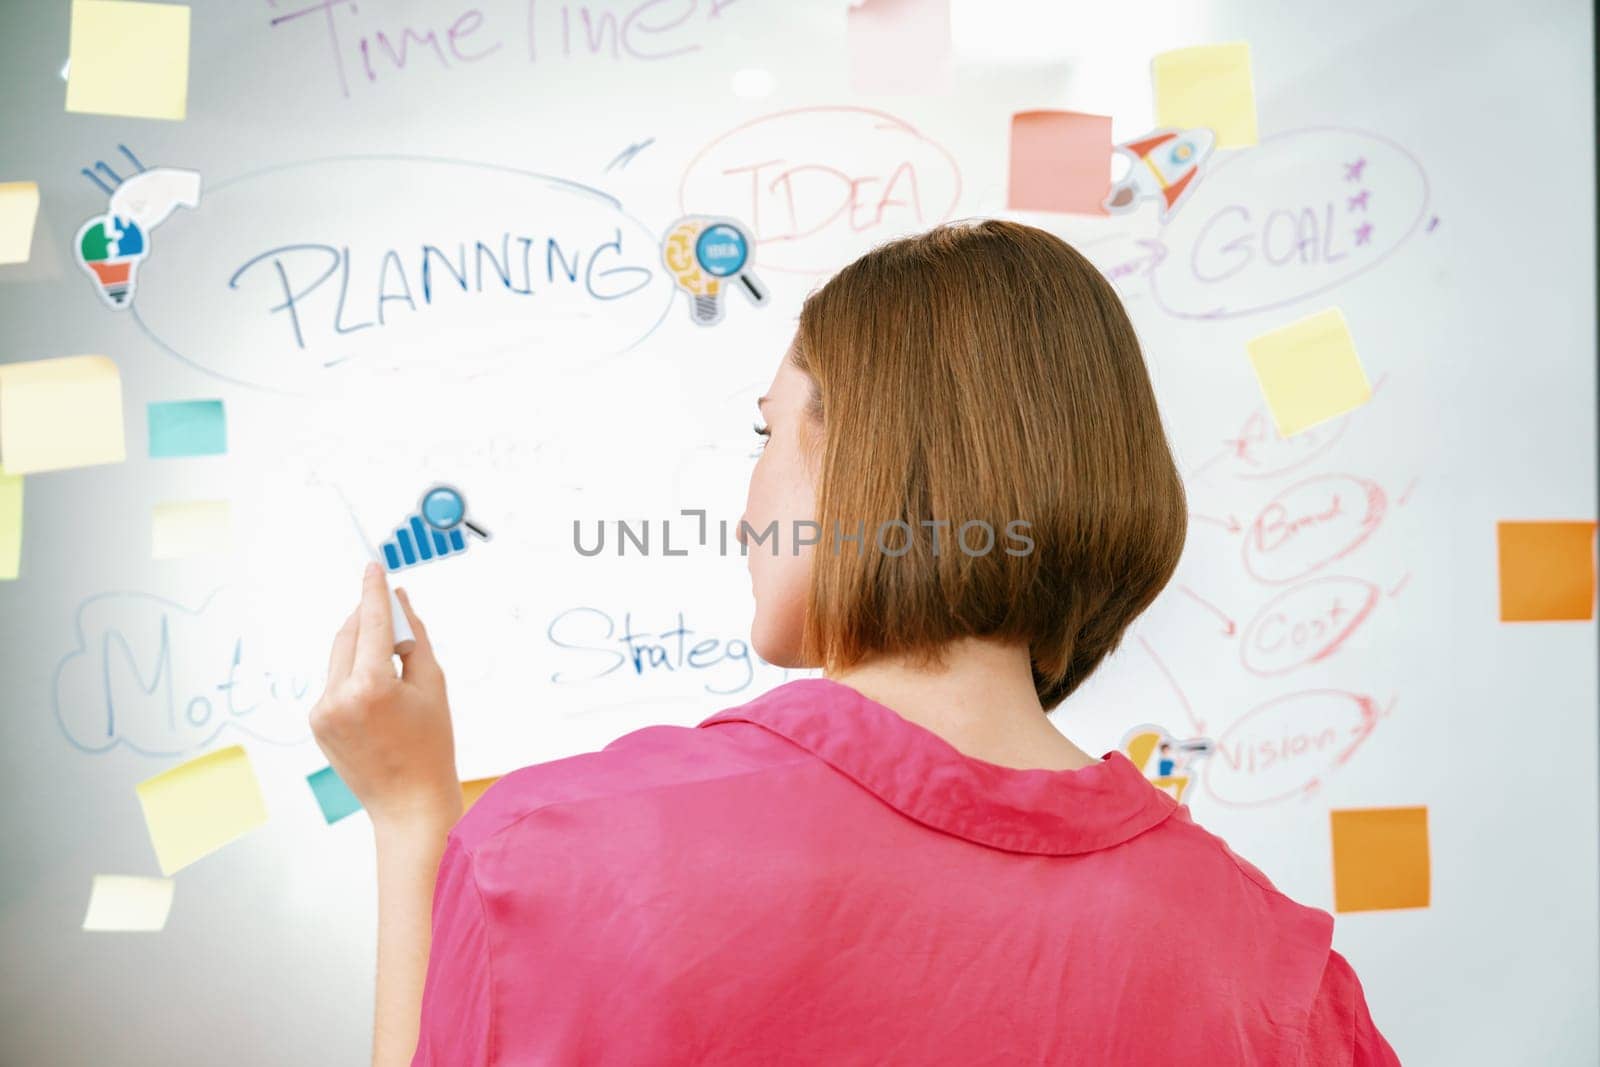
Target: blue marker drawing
[433,532]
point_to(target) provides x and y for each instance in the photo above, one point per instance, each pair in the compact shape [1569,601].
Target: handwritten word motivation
[293,272]
[598,648]
[301,277]
[163,680]
[1292,217]
[366,47]
[821,185]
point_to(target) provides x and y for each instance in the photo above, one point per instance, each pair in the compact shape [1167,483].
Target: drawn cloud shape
[164,679]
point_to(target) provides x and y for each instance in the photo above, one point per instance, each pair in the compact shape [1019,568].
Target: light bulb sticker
[110,247]
[702,254]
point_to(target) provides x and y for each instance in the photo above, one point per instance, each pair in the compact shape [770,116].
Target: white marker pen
[404,639]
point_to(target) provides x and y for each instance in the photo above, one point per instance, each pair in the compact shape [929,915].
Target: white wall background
[1473,311]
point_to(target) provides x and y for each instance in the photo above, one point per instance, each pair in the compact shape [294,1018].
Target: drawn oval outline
[884,121]
[1287,598]
[211,191]
[1376,506]
[1336,753]
[1209,177]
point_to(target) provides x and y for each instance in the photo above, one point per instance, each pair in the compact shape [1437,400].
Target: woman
[901,861]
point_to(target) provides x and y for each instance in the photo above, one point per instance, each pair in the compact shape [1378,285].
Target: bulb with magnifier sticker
[706,256]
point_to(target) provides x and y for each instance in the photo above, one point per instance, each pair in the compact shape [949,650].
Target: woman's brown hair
[983,373]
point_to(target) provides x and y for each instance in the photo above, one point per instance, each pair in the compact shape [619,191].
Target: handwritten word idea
[821,185]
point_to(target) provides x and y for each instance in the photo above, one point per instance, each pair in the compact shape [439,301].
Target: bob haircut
[983,372]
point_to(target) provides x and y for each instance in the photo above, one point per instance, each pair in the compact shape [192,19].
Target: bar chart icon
[432,532]
[417,542]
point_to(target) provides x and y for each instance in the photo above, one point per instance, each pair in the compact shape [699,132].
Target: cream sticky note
[1380,859]
[128,58]
[1547,571]
[126,902]
[10,525]
[1060,161]
[58,413]
[19,209]
[898,46]
[197,807]
[180,528]
[1207,86]
[1309,371]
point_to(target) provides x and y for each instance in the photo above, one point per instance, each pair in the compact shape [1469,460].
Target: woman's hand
[388,736]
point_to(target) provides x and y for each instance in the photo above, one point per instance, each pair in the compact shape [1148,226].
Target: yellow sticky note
[197,807]
[128,58]
[181,528]
[1380,859]
[1547,571]
[19,208]
[1208,86]
[58,413]
[125,902]
[10,525]
[1309,371]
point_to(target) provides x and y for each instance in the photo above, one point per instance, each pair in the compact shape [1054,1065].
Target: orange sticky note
[1547,571]
[898,46]
[1060,161]
[471,791]
[1380,859]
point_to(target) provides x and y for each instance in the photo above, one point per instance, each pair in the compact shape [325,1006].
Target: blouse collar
[913,769]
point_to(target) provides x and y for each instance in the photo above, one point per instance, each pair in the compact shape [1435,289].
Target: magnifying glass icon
[444,509]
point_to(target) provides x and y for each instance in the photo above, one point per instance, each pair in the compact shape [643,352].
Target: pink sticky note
[899,46]
[1060,161]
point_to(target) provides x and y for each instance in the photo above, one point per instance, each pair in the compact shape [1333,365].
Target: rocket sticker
[1165,167]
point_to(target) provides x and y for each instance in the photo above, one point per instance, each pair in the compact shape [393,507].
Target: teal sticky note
[333,796]
[187,428]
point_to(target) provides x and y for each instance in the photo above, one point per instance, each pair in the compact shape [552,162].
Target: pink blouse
[811,878]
